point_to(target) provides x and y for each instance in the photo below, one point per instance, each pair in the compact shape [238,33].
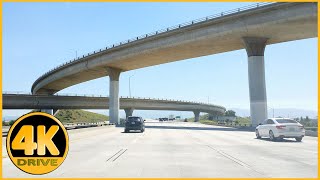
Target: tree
[216,114]
[307,121]
[236,122]
[230,113]
[210,117]
[11,122]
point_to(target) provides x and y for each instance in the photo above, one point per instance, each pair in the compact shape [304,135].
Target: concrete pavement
[179,149]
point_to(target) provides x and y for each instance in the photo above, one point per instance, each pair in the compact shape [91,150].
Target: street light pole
[130,85]
[272,111]
[76,52]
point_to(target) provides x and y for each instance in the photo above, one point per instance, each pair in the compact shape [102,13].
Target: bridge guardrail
[121,97]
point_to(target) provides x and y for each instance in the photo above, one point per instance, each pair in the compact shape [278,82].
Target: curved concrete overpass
[279,22]
[251,28]
[27,101]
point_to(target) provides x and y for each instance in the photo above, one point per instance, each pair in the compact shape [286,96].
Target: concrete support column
[196,116]
[49,111]
[114,75]
[255,47]
[129,112]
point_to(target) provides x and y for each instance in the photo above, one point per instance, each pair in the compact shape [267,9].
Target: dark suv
[134,123]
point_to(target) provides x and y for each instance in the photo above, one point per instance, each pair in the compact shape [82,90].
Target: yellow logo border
[33,114]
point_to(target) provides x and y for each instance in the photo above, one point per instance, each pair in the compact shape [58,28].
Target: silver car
[279,128]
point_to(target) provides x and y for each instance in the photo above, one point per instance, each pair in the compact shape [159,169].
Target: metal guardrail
[122,97]
[85,125]
[17,92]
[71,126]
[168,29]
[315,129]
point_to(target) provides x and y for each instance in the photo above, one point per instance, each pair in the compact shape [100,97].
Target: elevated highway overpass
[56,102]
[250,28]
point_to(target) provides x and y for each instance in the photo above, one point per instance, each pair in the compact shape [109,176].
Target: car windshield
[285,121]
[133,119]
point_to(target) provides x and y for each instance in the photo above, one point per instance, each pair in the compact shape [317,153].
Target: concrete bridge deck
[279,22]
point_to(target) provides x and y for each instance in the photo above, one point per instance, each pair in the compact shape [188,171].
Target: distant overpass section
[55,102]
[250,28]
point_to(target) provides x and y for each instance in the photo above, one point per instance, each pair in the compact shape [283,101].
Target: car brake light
[280,127]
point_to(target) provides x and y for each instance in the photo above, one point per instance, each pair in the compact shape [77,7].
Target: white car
[279,128]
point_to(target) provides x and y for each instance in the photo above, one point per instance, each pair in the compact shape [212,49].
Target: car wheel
[257,134]
[299,139]
[271,136]
[126,130]
[142,130]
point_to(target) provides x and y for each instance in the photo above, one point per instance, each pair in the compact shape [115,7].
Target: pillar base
[129,112]
[258,112]
[196,116]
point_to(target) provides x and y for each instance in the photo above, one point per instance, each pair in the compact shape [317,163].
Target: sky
[40,36]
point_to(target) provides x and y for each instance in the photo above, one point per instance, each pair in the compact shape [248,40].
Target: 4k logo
[37,143]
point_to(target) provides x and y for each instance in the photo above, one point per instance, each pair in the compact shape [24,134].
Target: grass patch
[74,116]
[208,122]
[243,121]
[240,121]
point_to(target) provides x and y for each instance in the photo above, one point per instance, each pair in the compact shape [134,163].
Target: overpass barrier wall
[26,101]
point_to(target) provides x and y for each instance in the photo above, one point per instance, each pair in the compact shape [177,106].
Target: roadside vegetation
[7,123]
[74,116]
[208,122]
[211,119]
[307,122]
[240,121]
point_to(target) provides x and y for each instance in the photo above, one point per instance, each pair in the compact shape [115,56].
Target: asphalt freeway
[179,149]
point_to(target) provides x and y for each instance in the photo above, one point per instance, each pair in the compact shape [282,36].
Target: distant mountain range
[283,112]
